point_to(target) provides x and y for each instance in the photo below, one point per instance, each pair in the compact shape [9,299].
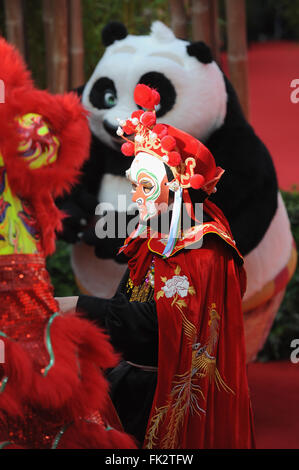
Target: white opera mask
[150,190]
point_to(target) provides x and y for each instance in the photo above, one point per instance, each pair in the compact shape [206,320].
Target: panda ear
[201,51]
[79,90]
[112,32]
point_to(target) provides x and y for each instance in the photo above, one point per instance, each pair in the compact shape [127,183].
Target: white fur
[200,106]
[160,32]
[200,109]
[99,277]
[116,190]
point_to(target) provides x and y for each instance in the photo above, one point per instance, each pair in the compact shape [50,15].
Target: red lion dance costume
[52,393]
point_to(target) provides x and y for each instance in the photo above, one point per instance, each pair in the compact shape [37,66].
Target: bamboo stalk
[48,22]
[205,28]
[59,40]
[237,50]
[201,22]
[76,48]
[178,18]
[215,33]
[14,21]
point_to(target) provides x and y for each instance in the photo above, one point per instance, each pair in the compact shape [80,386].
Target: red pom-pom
[156,97]
[168,143]
[137,114]
[174,159]
[144,97]
[128,149]
[197,181]
[129,128]
[148,119]
[160,130]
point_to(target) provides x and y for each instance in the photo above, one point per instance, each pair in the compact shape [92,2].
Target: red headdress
[192,164]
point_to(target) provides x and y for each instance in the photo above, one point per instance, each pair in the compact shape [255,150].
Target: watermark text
[120,222]
[2,92]
[295,93]
[2,352]
[295,354]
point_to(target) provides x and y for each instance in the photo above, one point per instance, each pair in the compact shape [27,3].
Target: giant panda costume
[197,98]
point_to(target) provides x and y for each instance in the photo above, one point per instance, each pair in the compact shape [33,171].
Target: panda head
[190,83]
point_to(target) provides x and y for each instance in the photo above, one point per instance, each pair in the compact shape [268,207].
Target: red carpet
[274,390]
[272,67]
[275,385]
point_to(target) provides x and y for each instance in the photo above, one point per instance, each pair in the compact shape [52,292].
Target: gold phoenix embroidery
[186,390]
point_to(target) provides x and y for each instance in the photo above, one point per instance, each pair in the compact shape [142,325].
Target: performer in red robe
[52,390]
[176,317]
[201,399]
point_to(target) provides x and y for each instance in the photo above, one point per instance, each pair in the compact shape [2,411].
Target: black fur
[247,192]
[201,51]
[110,128]
[164,86]
[102,89]
[113,31]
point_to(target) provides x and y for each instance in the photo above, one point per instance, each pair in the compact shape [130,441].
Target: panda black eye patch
[103,93]
[164,86]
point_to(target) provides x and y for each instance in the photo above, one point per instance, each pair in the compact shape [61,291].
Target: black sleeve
[132,326]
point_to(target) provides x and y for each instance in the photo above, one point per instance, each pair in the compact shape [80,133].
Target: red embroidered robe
[202,397]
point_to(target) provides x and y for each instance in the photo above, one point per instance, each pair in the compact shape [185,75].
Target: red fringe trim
[73,388]
[88,435]
[80,350]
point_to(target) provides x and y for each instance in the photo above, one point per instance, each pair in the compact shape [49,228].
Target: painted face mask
[149,185]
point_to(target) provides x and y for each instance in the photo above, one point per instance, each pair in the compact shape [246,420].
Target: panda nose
[110,128]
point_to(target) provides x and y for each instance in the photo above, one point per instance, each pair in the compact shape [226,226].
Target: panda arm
[132,326]
[247,193]
[80,204]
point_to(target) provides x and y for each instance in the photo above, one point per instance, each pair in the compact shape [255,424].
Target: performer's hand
[67,303]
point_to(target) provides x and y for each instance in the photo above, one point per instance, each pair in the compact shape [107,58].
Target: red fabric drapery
[202,397]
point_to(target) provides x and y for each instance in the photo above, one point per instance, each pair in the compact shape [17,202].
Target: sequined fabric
[42,429]
[27,302]
[145,291]
[34,432]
